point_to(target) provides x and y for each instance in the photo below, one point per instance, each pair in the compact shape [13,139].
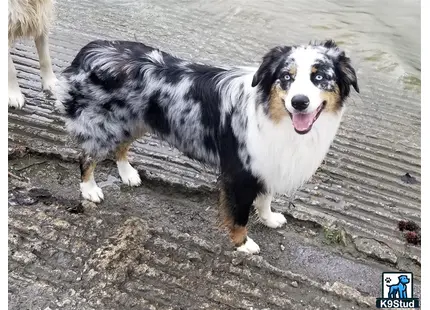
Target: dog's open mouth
[303,122]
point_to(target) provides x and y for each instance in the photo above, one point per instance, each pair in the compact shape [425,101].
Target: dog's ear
[269,65]
[346,75]
[345,72]
[329,44]
[348,71]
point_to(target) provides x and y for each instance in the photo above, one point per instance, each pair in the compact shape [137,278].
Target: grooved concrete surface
[157,246]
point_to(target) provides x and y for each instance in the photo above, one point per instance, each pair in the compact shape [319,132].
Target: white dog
[30,18]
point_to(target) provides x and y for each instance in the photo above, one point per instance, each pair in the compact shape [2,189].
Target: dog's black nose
[300,102]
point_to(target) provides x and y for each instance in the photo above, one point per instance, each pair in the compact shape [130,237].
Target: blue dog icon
[399,290]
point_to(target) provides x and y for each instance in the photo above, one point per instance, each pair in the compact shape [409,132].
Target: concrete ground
[158,246]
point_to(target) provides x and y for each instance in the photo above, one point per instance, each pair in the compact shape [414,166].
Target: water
[382,35]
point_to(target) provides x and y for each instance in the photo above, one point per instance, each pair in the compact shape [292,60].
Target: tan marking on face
[314,69]
[237,233]
[333,100]
[292,71]
[277,109]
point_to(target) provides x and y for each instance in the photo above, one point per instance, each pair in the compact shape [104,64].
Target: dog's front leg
[16,98]
[236,197]
[264,211]
[48,77]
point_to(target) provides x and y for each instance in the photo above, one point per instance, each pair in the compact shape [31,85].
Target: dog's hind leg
[128,174]
[89,188]
[235,204]
[16,98]
[48,77]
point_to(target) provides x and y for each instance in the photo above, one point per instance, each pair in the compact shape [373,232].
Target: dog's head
[403,279]
[305,81]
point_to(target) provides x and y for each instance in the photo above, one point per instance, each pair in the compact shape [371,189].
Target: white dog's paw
[128,174]
[91,192]
[273,220]
[249,247]
[49,83]
[16,99]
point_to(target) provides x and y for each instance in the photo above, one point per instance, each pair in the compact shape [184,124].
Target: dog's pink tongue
[302,122]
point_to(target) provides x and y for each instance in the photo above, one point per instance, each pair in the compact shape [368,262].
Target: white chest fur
[284,159]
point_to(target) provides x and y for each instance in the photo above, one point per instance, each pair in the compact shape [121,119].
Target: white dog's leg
[16,98]
[269,218]
[48,77]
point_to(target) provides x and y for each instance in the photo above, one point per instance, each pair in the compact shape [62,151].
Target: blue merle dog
[265,129]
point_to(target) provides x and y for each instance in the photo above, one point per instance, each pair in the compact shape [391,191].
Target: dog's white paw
[132,178]
[249,247]
[273,220]
[49,83]
[128,174]
[91,191]
[16,99]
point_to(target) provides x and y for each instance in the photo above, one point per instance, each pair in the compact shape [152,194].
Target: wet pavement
[341,235]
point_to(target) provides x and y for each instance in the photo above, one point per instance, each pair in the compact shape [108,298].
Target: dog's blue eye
[287,77]
[318,77]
